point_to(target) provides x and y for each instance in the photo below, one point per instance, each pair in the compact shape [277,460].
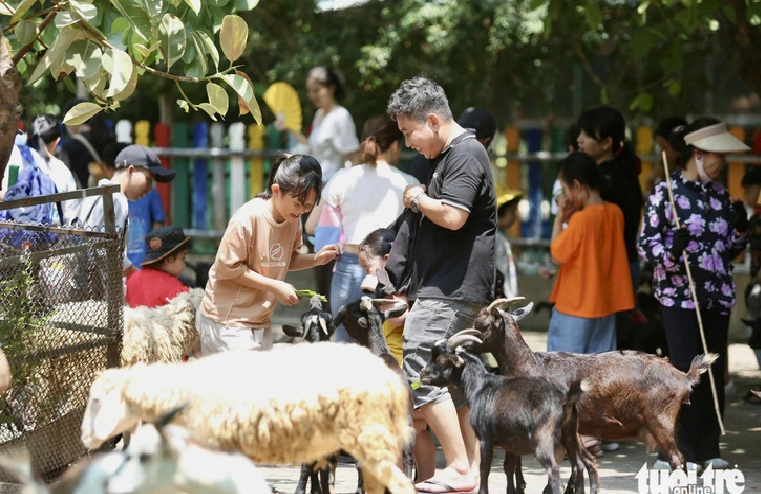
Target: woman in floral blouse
[713,232]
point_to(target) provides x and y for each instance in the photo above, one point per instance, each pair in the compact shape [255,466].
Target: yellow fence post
[256,165]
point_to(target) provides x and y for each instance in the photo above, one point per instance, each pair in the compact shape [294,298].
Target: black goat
[524,415]
[316,325]
[633,394]
[363,321]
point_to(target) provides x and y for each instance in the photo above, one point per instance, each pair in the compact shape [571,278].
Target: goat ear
[340,316]
[362,321]
[395,311]
[293,331]
[522,312]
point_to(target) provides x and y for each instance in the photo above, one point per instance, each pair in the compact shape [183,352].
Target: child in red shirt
[157,284]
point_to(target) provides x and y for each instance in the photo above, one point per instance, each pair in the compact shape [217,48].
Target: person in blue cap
[135,169]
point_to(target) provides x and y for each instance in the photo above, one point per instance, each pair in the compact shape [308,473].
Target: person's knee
[419,425]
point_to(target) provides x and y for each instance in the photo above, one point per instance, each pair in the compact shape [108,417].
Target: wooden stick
[694,296]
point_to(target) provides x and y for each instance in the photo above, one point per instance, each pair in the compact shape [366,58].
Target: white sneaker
[694,466]
[664,465]
[609,446]
[716,463]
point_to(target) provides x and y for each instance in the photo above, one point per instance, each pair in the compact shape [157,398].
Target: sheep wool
[265,405]
[161,334]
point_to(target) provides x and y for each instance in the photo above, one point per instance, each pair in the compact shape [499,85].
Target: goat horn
[472,332]
[460,339]
[501,303]
[439,342]
[381,301]
[365,304]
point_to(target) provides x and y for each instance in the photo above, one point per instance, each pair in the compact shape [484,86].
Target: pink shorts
[217,338]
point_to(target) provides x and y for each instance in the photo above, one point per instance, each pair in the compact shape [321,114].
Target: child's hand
[286,293]
[328,253]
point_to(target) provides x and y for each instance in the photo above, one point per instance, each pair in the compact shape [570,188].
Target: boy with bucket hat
[157,284]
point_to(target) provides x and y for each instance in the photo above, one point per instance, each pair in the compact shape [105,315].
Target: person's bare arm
[313,219]
[440,213]
[5,373]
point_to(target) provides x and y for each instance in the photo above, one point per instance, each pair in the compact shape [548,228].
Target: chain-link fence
[61,313]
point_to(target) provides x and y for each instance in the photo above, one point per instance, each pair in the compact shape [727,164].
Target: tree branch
[25,49]
[585,63]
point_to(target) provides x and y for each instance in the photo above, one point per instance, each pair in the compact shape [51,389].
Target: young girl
[260,245]
[594,281]
[373,254]
[157,284]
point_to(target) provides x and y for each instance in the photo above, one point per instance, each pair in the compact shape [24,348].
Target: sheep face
[444,368]
[106,414]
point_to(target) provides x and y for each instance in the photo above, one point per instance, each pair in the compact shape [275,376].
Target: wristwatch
[415,203]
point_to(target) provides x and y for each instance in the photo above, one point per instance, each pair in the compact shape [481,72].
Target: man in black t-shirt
[451,262]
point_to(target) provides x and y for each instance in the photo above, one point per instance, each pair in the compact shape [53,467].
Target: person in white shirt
[135,169]
[333,140]
[368,196]
[43,136]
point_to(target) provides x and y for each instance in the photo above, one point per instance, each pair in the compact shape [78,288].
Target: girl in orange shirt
[593,281]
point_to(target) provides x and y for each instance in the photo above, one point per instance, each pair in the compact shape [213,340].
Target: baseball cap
[479,119]
[137,155]
[715,139]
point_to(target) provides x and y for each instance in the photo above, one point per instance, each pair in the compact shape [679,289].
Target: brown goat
[634,395]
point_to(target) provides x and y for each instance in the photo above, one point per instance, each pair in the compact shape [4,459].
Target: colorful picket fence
[221,166]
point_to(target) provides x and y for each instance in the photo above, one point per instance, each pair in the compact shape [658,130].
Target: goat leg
[510,464]
[520,481]
[487,453]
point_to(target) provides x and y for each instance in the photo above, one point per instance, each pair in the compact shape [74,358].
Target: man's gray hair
[416,98]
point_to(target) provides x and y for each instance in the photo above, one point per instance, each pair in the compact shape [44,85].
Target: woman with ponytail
[261,244]
[368,196]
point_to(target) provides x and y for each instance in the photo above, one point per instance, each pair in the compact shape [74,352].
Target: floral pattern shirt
[703,208]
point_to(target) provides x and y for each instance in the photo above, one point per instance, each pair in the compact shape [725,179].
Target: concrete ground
[741,445]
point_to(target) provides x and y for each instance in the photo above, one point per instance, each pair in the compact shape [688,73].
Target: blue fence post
[201,186]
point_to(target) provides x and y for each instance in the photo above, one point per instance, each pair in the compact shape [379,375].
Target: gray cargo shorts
[430,320]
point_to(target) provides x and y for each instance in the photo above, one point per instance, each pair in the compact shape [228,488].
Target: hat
[505,195]
[137,155]
[162,242]
[715,139]
[479,119]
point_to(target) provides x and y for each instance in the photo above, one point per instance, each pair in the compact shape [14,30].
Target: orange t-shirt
[594,278]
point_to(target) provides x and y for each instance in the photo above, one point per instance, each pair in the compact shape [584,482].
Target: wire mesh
[61,318]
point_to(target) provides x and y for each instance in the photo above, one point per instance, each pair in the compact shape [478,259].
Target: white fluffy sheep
[263,405]
[161,334]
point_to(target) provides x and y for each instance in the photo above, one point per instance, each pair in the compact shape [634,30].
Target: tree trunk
[10,108]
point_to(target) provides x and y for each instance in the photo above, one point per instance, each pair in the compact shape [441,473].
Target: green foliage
[22,327]
[111,45]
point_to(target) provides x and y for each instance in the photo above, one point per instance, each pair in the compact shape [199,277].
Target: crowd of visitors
[439,235]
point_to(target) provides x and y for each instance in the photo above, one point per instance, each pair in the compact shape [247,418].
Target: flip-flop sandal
[448,489]
[752,398]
